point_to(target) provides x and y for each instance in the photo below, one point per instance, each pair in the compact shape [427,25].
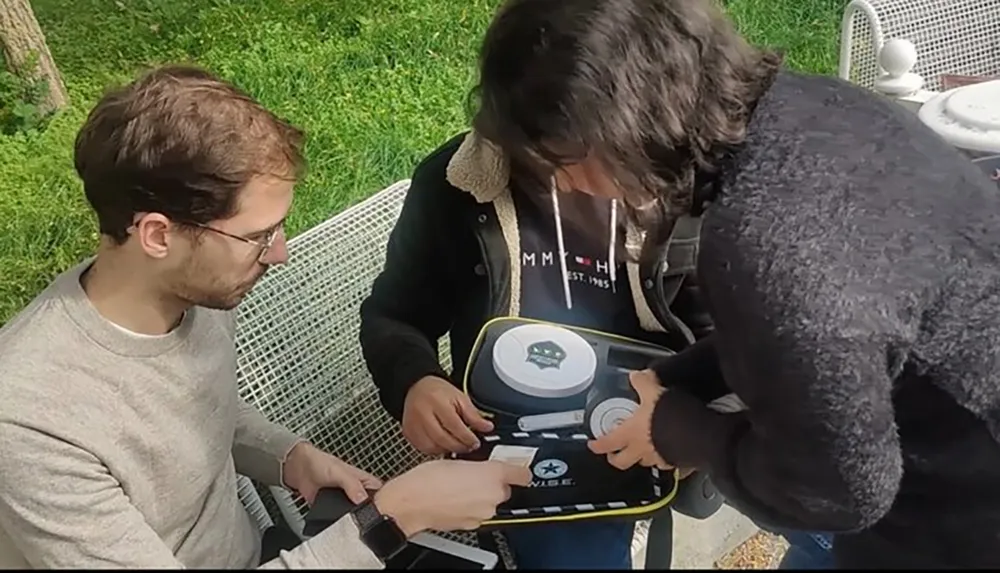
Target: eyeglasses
[264,245]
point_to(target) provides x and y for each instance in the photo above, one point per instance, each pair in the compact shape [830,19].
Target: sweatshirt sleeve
[62,509]
[339,546]
[817,448]
[413,299]
[260,446]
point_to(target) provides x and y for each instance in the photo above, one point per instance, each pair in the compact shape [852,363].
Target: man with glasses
[121,428]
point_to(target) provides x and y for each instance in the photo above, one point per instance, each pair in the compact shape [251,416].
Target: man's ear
[152,231]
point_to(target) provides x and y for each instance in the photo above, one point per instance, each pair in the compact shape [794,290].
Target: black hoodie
[851,265]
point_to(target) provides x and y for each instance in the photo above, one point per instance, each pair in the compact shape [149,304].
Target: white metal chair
[299,359]
[253,503]
[950,36]
[903,48]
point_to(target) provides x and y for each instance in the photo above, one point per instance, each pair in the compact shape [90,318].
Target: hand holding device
[449,495]
[631,443]
[439,418]
[388,542]
[610,403]
[551,390]
[308,469]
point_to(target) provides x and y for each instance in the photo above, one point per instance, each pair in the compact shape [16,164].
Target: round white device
[544,361]
[608,414]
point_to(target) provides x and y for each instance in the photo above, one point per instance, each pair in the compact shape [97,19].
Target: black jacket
[851,265]
[448,271]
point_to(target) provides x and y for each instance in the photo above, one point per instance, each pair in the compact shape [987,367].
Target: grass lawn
[375,83]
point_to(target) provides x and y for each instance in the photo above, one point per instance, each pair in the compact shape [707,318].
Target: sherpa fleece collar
[480,168]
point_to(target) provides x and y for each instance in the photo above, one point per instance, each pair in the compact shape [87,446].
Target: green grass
[375,83]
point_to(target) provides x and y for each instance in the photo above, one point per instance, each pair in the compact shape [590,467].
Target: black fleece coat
[851,266]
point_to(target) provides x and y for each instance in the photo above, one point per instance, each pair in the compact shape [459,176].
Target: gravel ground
[762,551]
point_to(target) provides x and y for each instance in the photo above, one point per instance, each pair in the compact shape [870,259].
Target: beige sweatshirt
[120,450]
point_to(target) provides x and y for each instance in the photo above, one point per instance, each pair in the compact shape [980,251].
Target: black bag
[581,377]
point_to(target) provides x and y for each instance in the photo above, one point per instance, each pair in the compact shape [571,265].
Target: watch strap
[366,515]
[378,532]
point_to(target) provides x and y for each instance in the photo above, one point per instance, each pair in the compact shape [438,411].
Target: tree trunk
[24,44]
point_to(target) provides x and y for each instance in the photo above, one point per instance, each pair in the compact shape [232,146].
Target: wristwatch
[379,532]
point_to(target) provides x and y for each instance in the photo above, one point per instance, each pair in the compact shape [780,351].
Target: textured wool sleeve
[63,509]
[808,354]
[261,446]
[339,546]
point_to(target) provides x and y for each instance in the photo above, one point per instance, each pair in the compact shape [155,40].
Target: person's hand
[437,418]
[449,495]
[684,473]
[631,443]
[308,469]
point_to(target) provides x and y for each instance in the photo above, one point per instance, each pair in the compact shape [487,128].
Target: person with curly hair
[846,285]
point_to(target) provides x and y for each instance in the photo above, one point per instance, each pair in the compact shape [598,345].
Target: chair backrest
[299,356]
[253,503]
[951,37]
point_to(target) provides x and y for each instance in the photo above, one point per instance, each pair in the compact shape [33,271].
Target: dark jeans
[572,545]
[807,550]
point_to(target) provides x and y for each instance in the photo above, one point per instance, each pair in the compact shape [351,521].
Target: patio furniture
[252,502]
[949,37]
[918,51]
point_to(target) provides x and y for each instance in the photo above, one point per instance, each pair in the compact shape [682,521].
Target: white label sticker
[515,455]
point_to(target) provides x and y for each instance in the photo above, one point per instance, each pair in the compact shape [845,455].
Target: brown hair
[181,142]
[657,90]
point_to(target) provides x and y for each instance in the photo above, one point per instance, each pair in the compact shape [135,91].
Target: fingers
[473,417]
[354,489]
[427,444]
[450,419]
[514,475]
[613,441]
[440,430]
[367,479]
[645,383]
[418,438]
[308,494]
[441,438]
[626,458]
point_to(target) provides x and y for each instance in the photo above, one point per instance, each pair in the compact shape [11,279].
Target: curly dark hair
[657,90]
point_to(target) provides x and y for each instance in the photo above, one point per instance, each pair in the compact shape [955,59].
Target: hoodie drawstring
[612,243]
[561,244]
[560,241]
